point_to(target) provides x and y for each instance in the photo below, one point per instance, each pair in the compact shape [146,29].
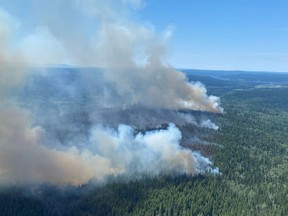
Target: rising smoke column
[102,34]
[92,33]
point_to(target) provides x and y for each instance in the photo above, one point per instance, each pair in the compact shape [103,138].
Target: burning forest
[81,85]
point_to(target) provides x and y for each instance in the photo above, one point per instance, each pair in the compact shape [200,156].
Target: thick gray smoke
[54,134]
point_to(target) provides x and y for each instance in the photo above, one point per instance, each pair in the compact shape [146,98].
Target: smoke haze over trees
[45,140]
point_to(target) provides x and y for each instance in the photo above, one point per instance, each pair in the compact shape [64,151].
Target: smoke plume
[68,125]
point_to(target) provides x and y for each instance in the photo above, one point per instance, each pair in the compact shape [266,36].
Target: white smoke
[113,41]
[153,152]
[100,34]
[209,124]
[109,152]
[206,123]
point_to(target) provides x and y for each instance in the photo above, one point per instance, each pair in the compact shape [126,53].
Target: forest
[250,148]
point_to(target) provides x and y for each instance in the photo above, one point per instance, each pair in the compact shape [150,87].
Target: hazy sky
[224,34]
[210,34]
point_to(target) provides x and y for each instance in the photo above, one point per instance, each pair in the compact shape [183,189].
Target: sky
[207,34]
[223,34]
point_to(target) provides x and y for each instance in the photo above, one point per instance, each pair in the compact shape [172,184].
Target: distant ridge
[226,71]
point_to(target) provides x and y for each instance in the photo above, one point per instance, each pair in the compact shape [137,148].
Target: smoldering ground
[60,126]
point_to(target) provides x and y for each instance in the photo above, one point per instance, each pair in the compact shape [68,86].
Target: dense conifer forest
[250,149]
